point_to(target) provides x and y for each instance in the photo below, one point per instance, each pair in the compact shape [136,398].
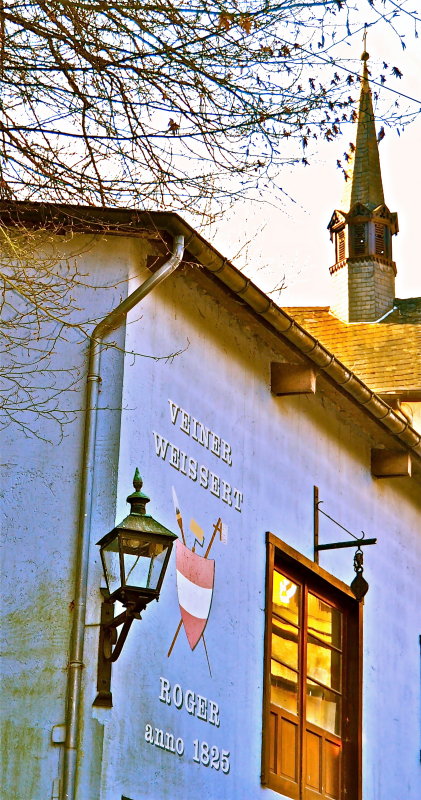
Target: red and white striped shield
[195,578]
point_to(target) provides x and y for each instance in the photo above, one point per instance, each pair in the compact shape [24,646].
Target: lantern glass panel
[111,557]
[143,561]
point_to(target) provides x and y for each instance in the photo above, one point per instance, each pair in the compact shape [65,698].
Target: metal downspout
[112,321]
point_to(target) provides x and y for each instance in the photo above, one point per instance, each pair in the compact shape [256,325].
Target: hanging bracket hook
[359,585]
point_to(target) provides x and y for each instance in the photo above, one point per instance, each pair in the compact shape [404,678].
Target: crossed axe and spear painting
[195,579]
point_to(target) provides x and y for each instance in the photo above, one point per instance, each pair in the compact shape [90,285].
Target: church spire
[364,184]
[362,226]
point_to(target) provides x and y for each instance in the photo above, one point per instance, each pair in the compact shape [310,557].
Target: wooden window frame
[335,591]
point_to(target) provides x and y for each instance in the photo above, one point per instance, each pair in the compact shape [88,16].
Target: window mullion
[303,678]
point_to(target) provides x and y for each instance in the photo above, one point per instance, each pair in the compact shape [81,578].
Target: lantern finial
[138,499]
[137,480]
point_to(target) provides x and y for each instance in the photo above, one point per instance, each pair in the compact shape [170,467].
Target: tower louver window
[340,245]
[359,239]
[381,239]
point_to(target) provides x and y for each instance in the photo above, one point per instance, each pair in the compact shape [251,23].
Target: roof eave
[345,381]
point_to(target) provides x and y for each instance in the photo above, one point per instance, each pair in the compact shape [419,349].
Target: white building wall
[40,496]
[281,447]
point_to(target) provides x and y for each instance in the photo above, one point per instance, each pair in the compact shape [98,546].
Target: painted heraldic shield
[195,578]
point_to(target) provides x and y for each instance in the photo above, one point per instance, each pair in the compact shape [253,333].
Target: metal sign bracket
[359,585]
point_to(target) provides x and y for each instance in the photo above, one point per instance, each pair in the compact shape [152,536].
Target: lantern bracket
[111,644]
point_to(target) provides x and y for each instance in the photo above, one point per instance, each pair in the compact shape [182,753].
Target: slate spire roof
[364,184]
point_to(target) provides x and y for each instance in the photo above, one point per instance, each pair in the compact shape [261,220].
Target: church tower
[362,228]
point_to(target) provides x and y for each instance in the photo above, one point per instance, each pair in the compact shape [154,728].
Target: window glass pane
[155,569]
[144,570]
[286,597]
[284,687]
[323,664]
[323,708]
[111,557]
[285,643]
[324,621]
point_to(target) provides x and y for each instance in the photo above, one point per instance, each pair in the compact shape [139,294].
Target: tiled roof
[405,312]
[386,355]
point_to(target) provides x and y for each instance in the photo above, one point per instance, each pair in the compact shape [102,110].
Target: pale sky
[294,241]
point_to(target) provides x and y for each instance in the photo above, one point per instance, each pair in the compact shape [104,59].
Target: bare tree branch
[181,104]
[173,103]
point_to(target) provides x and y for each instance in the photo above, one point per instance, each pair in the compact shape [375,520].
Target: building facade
[258,674]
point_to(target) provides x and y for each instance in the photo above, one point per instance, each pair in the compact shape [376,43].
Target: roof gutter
[343,378]
[129,222]
[340,376]
[74,680]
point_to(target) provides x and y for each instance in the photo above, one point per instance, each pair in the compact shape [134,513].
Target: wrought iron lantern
[135,556]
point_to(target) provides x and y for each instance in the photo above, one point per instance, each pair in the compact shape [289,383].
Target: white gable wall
[280,448]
